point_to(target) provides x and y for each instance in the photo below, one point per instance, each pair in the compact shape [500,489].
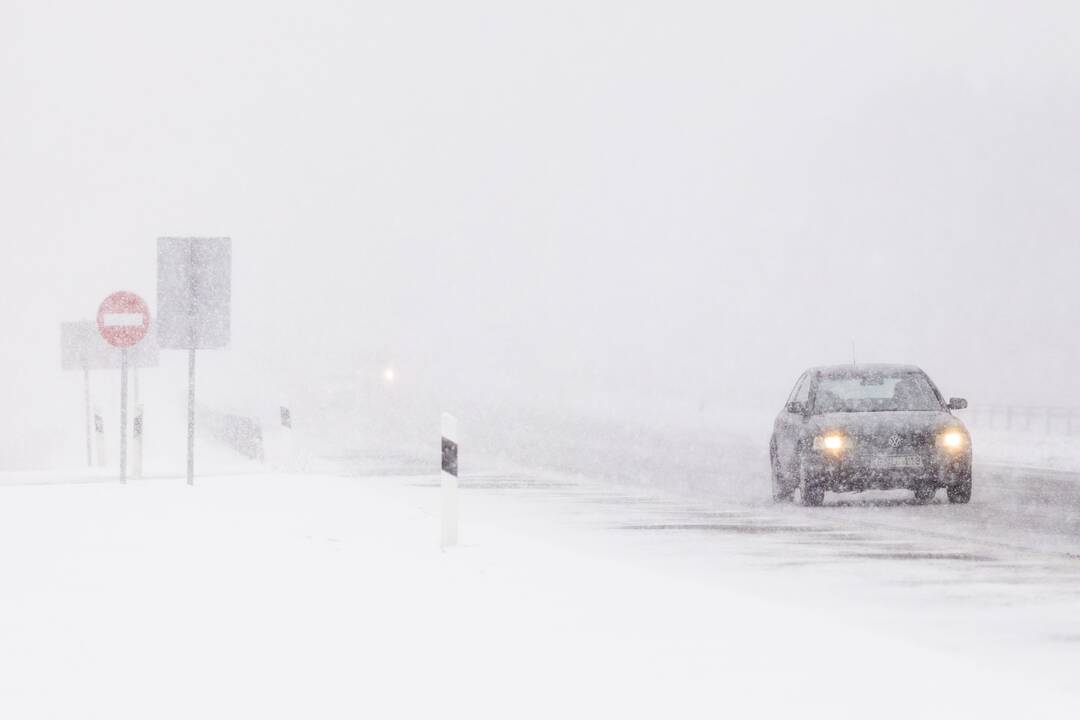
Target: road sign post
[86,399]
[77,343]
[194,298]
[191,418]
[123,320]
[82,348]
[123,414]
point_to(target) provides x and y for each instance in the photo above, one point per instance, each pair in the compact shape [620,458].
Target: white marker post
[449,480]
[99,436]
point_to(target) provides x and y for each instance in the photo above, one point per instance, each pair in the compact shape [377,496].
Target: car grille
[898,442]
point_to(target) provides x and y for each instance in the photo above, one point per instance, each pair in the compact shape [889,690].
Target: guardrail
[1046,420]
[242,434]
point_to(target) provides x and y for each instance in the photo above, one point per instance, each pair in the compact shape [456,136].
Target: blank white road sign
[83,348]
[194,292]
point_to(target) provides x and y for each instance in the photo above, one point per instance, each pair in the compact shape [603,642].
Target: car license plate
[889,462]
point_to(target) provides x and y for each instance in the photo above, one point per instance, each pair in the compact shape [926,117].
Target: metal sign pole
[123,413]
[191,418]
[192,344]
[89,429]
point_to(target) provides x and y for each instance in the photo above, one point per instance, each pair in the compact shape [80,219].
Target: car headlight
[953,439]
[833,442]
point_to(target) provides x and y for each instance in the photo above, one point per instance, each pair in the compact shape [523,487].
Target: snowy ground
[612,570]
[327,596]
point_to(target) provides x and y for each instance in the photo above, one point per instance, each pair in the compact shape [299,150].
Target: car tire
[812,495]
[960,493]
[781,492]
[924,494]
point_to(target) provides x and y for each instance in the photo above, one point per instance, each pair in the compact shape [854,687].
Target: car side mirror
[796,408]
[957,403]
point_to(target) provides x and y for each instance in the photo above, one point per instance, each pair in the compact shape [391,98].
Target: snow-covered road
[654,579]
[1025,508]
[327,596]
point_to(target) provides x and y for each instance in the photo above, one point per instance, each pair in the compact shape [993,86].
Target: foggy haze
[555,206]
[453,359]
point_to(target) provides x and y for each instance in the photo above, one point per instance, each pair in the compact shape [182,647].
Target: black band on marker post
[449,457]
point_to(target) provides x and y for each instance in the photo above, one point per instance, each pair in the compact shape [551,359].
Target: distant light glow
[389,375]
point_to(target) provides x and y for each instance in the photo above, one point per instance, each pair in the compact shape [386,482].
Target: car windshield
[866,391]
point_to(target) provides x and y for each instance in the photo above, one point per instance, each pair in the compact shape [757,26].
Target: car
[849,428]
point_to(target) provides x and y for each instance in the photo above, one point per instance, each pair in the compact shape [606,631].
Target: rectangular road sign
[194,292]
[83,348]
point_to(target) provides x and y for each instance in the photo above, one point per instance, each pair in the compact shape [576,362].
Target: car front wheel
[812,495]
[781,491]
[925,493]
[960,493]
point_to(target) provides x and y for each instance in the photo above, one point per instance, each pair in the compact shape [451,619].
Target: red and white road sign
[123,319]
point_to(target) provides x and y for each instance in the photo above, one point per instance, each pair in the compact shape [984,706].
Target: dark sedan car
[849,428]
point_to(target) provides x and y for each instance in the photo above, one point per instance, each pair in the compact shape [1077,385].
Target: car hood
[876,424]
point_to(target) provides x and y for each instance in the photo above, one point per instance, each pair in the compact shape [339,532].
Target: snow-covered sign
[83,348]
[194,297]
[194,292]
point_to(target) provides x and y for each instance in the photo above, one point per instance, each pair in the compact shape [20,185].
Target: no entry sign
[123,319]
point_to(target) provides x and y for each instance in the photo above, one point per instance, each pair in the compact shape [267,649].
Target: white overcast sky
[688,198]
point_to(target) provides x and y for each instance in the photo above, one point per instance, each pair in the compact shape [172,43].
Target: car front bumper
[850,472]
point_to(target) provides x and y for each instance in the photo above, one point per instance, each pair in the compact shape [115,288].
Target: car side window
[801,391]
